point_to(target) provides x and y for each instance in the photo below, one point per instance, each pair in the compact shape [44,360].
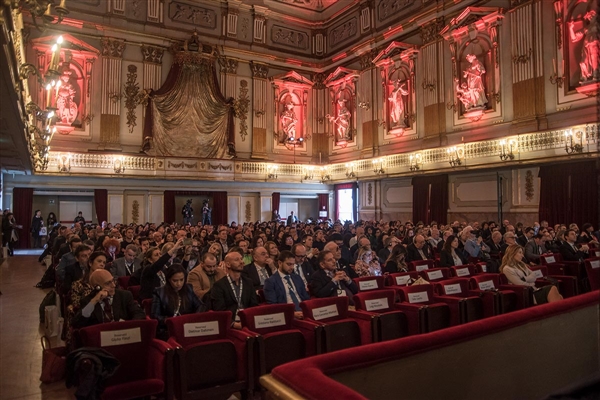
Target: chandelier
[42,10]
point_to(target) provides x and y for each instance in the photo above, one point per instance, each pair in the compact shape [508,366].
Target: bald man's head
[104,279]
[234,261]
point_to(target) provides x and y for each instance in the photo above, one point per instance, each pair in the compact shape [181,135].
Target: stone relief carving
[228,65]
[259,70]
[319,80]
[242,109]
[68,94]
[112,47]
[152,54]
[343,32]
[341,120]
[389,8]
[192,15]
[244,27]
[397,104]
[132,91]
[289,37]
[430,31]
[288,119]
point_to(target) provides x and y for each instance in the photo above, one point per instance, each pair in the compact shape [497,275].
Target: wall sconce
[454,156]
[42,9]
[378,165]
[506,150]
[119,165]
[365,105]
[272,171]
[292,142]
[64,163]
[350,170]
[415,162]
[324,174]
[309,173]
[570,146]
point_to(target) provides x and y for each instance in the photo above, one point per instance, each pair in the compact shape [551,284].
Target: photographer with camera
[188,213]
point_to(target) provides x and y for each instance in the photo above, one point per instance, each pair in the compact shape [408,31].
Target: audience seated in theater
[363,243]
[534,249]
[302,267]
[75,270]
[128,264]
[518,273]
[329,281]
[273,251]
[153,274]
[61,239]
[396,261]
[474,246]
[234,291]
[340,263]
[570,250]
[320,241]
[445,237]
[112,248]
[175,298]
[260,269]
[435,238]
[389,243]
[587,235]
[418,250]
[525,237]
[144,245]
[106,303]
[452,255]
[495,244]
[67,258]
[366,264]
[509,239]
[203,276]
[285,286]
[81,288]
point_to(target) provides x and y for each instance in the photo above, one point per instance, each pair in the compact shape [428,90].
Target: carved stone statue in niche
[341,121]
[67,98]
[472,92]
[288,120]
[397,105]
[590,52]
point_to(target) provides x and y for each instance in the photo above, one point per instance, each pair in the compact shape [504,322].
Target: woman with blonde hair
[518,273]
[367,264]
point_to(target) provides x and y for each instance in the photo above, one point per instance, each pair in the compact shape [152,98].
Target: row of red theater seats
[205,358]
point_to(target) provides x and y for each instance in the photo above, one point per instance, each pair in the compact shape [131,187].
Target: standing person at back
[36,225]
[79,218]
[291,219]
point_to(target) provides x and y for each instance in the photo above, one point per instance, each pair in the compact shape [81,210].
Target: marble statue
[67,109]
[288,120]
[589,63]
[472,92]
[397,103]
[342,120]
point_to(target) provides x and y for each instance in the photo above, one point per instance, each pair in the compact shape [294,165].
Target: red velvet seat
[145,361]
[592,267]
[212,360]
[464,271]
[567,285]
[388,322]
[435,274]
[481,267]
[420,265]
[278,339]
[401,278]
[367,283]
[424,314]
[135,291]
[496,298]
[147,306]
[341,328]
[465,306]
[124,282]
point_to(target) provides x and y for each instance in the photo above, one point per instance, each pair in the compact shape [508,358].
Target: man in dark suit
[302,267]
[340,263]
[495,244]
[285,286]
[291,219]
[526,237]
[569,251]
[329,282]
[258,270]
[535,248]
[233,292]
[128,264]
[108,304]
[75,270]
[418,250]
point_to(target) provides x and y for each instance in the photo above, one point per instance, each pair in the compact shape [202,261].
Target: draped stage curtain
[219,208]
[101,203]
[430,198]
[188,116]
[323,204]
[569,193]
[275,200]
[23,211]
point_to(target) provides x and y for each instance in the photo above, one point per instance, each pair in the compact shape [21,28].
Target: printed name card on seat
[401,278]
[592,267]
[340,328]
[388,322]
[278,339]
[496,299]
[435,274]
[145,361]
[212,360]
[420,265]
[464,305]
[423,312]
[367,283]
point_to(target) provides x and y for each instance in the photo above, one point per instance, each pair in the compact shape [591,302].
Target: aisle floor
[20,331]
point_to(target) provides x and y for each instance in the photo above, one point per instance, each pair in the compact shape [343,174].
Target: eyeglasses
[300,256]
[112,281]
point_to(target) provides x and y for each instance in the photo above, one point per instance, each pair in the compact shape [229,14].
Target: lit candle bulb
[49,96]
